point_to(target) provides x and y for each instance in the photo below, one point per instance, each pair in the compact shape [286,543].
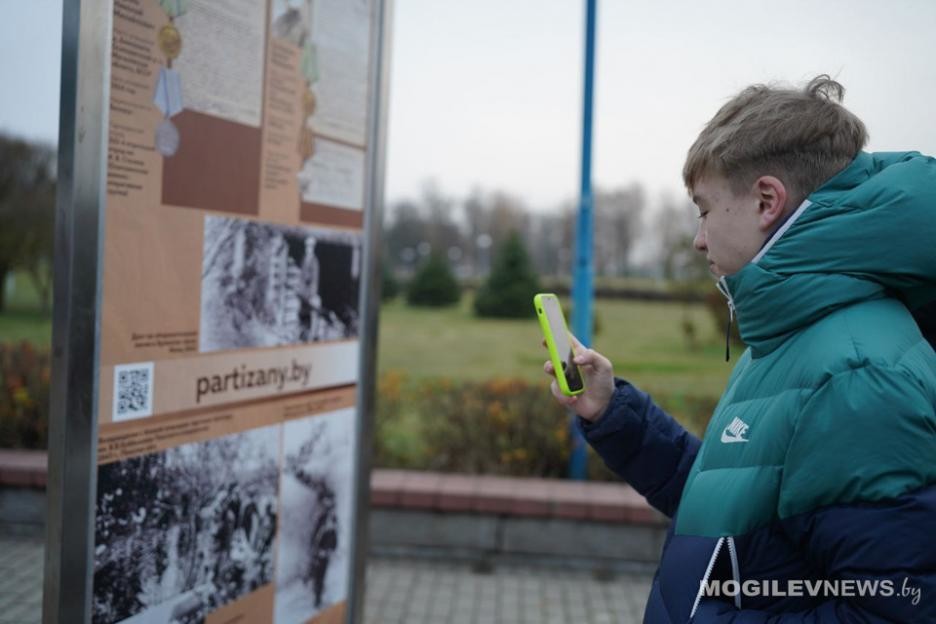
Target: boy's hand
[599,382]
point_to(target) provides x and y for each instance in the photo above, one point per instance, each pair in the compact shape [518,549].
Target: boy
[814,490]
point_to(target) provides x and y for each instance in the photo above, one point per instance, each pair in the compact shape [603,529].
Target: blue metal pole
[582,270]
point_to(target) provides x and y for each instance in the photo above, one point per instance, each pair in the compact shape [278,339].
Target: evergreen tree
[434,284]
[509,290]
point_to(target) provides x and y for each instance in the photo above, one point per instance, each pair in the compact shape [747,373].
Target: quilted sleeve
[643,445]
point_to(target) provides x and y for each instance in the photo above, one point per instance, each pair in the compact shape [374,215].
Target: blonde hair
[803,137]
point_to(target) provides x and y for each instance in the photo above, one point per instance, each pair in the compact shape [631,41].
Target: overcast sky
[488,93]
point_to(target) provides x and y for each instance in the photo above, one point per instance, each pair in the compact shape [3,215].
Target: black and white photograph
[315,520]
[183,532]
[266,285]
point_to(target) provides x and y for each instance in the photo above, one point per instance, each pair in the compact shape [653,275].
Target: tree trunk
[42,282]
[4,271]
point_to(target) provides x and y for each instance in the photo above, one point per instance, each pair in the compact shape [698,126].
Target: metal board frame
[79,236]
[370,303]
[79,227]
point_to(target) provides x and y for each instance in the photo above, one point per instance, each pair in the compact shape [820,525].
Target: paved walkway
[409,591]
[20,580]
[421,592]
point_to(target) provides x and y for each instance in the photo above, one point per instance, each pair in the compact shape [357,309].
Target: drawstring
[723,289]
[728,336]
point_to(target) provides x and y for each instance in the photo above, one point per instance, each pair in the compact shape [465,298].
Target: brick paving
[20,580]
[429,592]
[410,591]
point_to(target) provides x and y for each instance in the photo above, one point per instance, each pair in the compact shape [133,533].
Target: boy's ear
[771,200]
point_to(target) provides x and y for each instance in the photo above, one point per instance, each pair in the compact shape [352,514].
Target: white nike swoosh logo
[730,438]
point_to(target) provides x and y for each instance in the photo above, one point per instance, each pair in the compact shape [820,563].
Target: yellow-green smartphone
[556,332]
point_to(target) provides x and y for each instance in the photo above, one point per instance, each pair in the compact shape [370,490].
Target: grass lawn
[643,340]
[23,319]
[25,325]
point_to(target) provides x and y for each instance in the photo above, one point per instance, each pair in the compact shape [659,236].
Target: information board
[235,241]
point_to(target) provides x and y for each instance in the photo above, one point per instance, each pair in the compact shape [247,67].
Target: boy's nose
[699,241]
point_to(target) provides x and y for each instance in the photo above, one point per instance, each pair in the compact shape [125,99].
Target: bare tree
[618,214]
[489,217]
[414,228]
[405,230]
[442,233]
[477,226]
[548,232]
[675,226]
[508,215]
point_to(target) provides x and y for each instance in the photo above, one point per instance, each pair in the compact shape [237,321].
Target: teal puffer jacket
[835,394]
[819,462]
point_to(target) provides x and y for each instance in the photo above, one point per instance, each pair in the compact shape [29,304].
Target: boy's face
[732,228]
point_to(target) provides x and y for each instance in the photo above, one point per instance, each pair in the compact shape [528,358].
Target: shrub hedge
[500,427]
[25,373]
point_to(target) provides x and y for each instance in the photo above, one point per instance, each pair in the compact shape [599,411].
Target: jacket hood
[868,232]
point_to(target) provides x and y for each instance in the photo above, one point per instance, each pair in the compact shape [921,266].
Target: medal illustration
[310,66]
[174,8]
[306,144]
[167,138]
[170,41]
[168,96]
[168,93]
[309,103]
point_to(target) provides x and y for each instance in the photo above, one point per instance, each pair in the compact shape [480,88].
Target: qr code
[133,391]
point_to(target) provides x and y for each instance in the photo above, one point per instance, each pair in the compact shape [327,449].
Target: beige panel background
[152,267]
[176,382]
[119,441]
